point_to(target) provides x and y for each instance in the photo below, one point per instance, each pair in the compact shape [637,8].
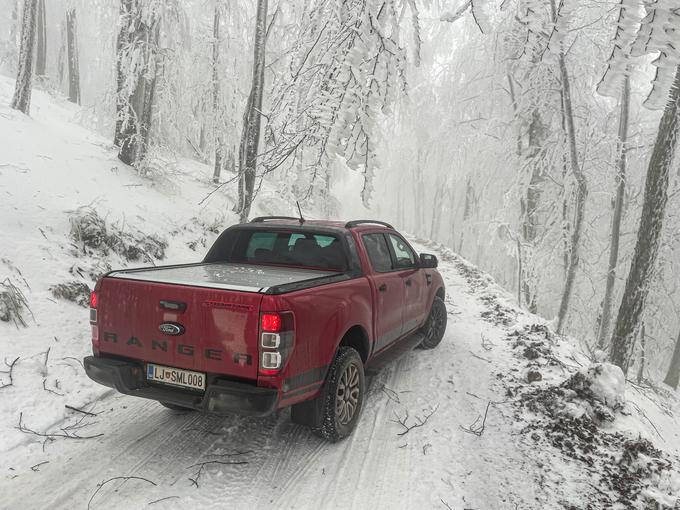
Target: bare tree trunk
[41,45]
[519,272]
[529,205]
[467,210]
[649,232]
[643,354]
[581,187]
[13,31]
[513,98]
[673,375]
[122,41]
[618,213]
[22,92]
[217,124]
[440,198]
[149,91]
[61,57]
[250,137]
[72,46]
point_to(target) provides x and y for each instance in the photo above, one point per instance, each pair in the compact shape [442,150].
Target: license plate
[175,377]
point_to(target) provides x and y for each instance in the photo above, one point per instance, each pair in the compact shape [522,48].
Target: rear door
[388,290]
[413,281]
[218,328]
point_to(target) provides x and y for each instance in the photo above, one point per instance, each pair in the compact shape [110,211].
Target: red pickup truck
[281,312]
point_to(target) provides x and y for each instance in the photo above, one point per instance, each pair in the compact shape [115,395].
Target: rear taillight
[271,322]
[277,333]
[94,302]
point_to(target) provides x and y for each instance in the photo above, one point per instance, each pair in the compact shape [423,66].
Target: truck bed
[229,276]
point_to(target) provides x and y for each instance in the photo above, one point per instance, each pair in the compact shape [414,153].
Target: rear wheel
[334,414]
[435,326]
[175,407]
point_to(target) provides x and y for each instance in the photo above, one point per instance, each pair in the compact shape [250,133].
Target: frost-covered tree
[581,188]
[658,33]
[250,135]
[136,51]
[347,66]
[616,83]
[216,99]
[22,92]
[41,45]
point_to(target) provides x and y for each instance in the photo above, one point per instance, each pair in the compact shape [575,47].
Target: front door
[388,289]
[412,279]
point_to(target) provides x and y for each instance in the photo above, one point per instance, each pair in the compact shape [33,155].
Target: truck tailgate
[218,327]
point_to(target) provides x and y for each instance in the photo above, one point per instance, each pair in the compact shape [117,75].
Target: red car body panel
[219,325]
[222,327]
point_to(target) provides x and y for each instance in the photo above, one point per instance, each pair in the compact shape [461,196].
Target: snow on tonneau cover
[248,278]
[216,304]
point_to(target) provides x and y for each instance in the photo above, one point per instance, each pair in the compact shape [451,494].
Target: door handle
[176,306]
[408,282]
[383,288]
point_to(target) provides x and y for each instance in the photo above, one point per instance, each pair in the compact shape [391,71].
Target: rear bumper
[221,397]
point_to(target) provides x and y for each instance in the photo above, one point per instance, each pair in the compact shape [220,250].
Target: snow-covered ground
[485,436]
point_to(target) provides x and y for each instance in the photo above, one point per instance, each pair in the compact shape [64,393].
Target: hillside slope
[484,436]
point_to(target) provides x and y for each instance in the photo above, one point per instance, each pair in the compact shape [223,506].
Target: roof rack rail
[355,223]
[262,219]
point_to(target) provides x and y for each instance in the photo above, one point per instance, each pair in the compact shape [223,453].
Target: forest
[536,138]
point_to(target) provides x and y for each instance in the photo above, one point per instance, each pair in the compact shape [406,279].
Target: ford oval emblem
[171,328]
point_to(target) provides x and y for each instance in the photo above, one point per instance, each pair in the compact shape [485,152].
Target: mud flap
[308,413]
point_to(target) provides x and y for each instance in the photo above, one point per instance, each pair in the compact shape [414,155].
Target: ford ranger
[281,312]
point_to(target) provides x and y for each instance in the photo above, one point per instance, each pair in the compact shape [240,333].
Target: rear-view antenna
[302,220]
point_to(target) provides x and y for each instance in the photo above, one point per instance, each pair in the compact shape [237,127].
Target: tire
[335,413]
[175,407]
[435,326]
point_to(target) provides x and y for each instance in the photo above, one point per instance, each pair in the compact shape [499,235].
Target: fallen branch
[125,478]
[235,454]
[49,389]
[644,415]
[487,344]
[9,373]
[476,428]
[51,435]
[76,359]
[201,467]
[162,499]
[480,357]
[47,357]
[419,421]
[391,394]
[13,302]
[37,466]
[88,413]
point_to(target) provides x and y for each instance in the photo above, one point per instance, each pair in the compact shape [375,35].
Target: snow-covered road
[197,461]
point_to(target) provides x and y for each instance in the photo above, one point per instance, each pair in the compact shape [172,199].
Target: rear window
[305,249]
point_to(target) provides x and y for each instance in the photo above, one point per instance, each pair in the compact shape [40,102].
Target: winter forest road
[196,461]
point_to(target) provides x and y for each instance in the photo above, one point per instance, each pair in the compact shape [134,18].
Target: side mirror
[428,261]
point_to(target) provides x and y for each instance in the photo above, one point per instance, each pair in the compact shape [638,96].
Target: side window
[324,241]
[405,256]
[378,252]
